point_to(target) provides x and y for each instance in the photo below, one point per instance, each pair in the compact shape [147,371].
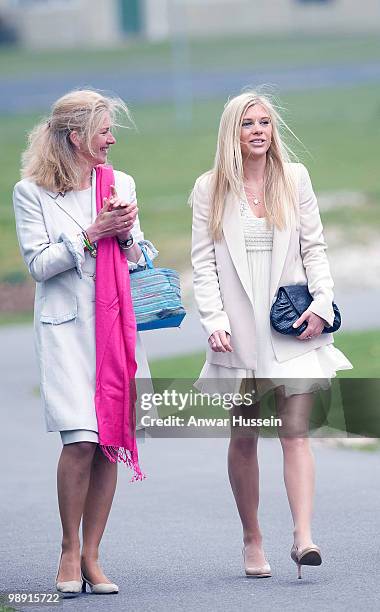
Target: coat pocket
[59,302]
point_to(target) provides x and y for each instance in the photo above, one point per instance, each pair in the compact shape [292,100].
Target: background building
[208,17]
[102,23]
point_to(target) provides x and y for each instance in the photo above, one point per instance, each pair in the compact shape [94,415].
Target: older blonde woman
[256,227]
[60,230]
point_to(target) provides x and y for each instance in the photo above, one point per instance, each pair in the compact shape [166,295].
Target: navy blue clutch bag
[290,303]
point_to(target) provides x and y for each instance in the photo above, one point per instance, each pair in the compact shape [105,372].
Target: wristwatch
[126,244]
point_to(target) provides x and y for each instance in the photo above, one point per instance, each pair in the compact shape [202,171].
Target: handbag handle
[149,262]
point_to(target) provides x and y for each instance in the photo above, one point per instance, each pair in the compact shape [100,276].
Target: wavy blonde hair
[51,159]
[227,172]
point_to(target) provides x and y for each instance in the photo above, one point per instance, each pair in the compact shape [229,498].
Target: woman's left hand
[315,325]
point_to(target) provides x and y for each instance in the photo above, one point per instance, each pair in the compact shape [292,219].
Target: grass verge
[165,158]
[207,53]
[348,406]
[361,348]
[15,318]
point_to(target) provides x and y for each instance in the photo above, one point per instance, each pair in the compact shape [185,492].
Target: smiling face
[256,132]
[101,142]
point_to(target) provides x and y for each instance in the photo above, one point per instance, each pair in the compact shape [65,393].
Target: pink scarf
[115,395]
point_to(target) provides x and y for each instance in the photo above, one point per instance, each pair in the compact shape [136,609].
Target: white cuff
[141,263]
[75,247]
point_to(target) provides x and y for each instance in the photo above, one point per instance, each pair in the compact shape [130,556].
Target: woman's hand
[219,342]
[116,218]
[118,204]
[315,325]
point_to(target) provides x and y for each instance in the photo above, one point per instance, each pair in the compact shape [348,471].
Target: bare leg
[243,471]
[73,477]
[97,508]
[299,469]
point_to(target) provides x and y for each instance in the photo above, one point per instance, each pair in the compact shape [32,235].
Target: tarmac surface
[359,312]
[173,542]
[36,92]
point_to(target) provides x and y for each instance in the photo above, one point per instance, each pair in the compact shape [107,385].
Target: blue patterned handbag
[156,296]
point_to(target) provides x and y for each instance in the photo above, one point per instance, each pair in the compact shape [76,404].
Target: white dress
[301,374]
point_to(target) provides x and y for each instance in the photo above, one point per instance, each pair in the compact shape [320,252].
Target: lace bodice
[258,235]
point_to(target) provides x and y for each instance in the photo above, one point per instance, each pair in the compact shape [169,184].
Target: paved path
[360,312]
[37,92]
[173,542]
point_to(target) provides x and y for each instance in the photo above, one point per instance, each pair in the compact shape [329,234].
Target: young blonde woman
[256,227]
[64,235]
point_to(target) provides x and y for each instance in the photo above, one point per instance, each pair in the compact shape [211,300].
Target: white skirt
[302,374]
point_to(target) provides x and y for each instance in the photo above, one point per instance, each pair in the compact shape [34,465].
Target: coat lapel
[234,236]
[69,204]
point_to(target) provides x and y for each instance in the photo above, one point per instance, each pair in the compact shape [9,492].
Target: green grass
[15,318]
[182,366]
[361,348]
[340,128]
[351,405]
[218,53]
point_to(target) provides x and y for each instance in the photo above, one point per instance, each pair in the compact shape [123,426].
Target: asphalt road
[174,542]
[359,312]
[36,92]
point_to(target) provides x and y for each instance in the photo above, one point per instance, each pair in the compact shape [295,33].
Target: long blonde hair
[227,172]
[50,159]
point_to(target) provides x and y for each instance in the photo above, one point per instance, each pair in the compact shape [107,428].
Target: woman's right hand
[112,222]
[219,342]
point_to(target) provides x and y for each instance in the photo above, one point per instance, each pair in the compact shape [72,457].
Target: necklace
[256,200]
[88,244]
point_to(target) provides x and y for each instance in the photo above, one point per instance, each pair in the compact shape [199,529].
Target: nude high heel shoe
[69,588]
[102,588]
[311,555]
[254,571]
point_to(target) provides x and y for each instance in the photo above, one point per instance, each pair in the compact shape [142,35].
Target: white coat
[54,255]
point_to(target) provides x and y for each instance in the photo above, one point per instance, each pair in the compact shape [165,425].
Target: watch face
[126,244]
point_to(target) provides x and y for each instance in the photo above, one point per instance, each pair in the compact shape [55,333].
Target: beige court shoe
[311,555]
[255,571]
[102,588]
[69,588]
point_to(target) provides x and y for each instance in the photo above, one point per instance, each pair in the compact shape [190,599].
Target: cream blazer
[222,286]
